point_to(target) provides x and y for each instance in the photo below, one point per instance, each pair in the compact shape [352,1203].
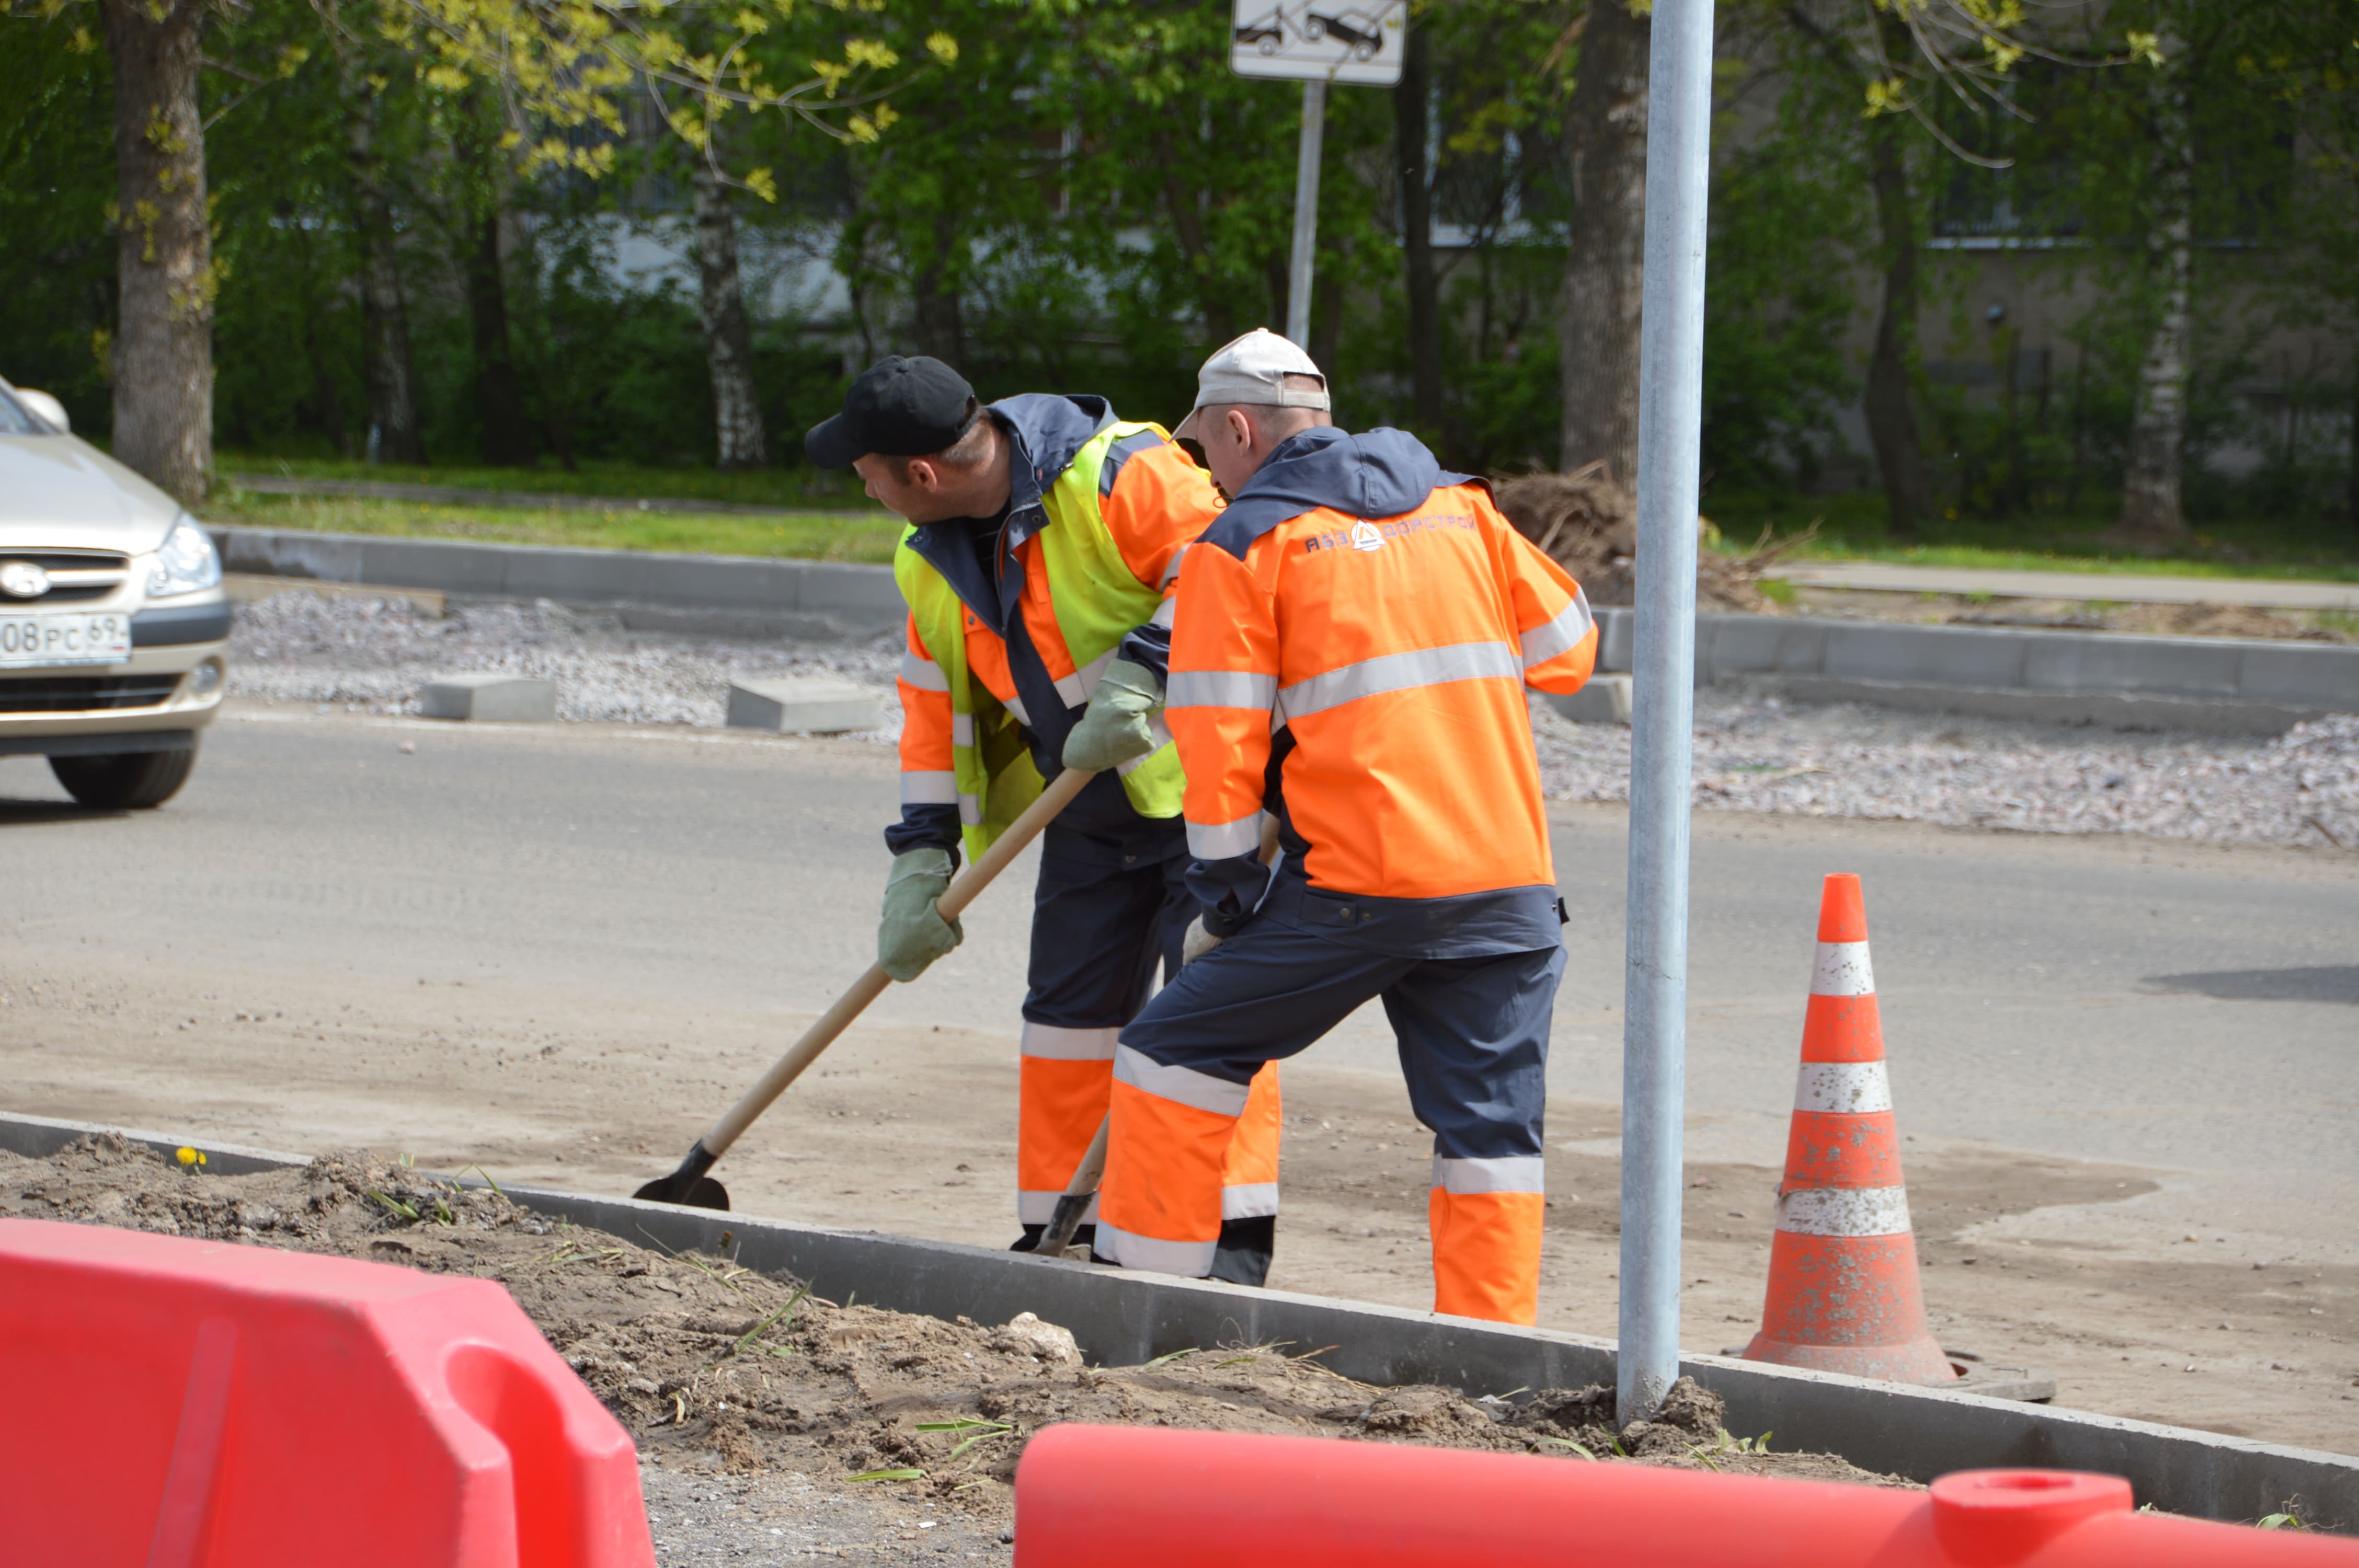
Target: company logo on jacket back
[1366,536]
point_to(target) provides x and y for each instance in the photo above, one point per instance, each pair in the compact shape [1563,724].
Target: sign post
[1315,42]
[1670,426]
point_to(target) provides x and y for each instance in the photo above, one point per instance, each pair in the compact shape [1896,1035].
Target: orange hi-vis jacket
[1351,651]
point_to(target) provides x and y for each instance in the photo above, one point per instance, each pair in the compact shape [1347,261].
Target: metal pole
[1306,211]
[1655,980]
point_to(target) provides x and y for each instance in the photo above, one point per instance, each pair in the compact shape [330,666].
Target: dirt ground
[2186,1328]
[707,1362]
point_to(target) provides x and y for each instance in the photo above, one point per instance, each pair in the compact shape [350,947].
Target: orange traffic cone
[1843,1295]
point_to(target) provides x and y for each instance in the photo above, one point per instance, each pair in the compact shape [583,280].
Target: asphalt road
[559,951]
[2114,999]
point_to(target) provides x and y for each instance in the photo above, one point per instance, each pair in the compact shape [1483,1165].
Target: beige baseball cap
[1253,370]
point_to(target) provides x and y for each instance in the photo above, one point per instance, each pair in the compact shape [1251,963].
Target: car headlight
[186,562]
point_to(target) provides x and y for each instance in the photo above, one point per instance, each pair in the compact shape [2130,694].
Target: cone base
[1918,1361]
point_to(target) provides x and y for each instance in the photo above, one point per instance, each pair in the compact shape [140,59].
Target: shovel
[689,1185]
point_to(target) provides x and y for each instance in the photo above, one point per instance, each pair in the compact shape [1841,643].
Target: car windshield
[16,419]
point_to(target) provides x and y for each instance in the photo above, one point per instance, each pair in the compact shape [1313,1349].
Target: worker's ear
[1241,429]
[924,476]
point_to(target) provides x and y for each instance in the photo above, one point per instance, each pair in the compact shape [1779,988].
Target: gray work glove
[1197,943]
[912,935]
[1113,729]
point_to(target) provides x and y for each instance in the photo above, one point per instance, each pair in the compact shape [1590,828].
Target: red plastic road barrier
[192,1404]
[1151,1497]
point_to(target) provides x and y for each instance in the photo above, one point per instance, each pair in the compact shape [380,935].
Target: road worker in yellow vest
[1043,532]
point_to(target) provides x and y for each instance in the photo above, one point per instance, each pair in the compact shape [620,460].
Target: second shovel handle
[822,1034]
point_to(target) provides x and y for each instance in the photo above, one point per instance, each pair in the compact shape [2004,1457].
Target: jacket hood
[1048,429]
[1381,472]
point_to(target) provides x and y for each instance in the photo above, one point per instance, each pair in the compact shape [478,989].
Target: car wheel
[137,780]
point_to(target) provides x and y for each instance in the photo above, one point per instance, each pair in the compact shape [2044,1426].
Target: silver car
[113,623]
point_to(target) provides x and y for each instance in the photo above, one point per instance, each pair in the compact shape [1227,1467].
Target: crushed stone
[724,1373]
[374,655]
[1753,751]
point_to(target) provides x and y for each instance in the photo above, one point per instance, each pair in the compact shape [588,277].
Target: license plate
[48,640]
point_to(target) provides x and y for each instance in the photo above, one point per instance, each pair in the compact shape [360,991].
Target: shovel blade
[695,1192]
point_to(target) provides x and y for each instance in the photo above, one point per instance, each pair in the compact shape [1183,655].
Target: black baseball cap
[901,407]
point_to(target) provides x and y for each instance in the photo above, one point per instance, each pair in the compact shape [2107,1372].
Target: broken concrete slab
[490,697]
[1603,699]
[803,705]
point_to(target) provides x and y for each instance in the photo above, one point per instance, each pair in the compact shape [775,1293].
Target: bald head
[1238,437]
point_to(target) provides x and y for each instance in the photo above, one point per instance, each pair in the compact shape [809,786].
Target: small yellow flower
[188,1157]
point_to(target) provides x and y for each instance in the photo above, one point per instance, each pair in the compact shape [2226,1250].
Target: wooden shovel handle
[963,892]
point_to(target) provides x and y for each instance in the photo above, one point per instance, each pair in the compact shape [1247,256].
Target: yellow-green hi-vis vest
[1097,603]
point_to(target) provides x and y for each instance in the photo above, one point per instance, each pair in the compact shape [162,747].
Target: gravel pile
[1753,752]
[375,653]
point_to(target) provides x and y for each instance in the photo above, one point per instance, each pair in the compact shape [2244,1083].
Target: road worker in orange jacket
[1355,638]
[1043,532]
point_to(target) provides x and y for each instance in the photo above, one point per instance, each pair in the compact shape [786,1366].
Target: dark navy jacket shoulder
[1381,472]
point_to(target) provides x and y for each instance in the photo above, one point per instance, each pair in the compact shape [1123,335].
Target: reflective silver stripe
[1842,970]
[1845,1211]
[961,728]
[1249,1200]
[1856,1088]
[1015,705]
[1060,1045]
[1181,1086]
[1075,688]
[970,810]
[1219,688]
[1040,1209]
[1560,635]
[1164,612]
[924,673]
[928,788]
[1157,731]
[1223,840]
[1172,570]
[1515,1174]
[1189,1260]
[1401,672]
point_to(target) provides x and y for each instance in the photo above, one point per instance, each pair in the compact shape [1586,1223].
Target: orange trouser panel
[1164,1166]
[1252,1160]
[1063,1104]
[1486,1254]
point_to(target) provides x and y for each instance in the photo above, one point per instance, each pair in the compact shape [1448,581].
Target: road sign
[1356,41]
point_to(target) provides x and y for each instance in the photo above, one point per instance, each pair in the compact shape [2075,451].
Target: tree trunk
[2352,480]
[1188,227]
[499,405]
[934,293]
[728,342]
[2150,493]
[386,365]
[1605,267]
[163,349]
[1892,428]
[1410,132]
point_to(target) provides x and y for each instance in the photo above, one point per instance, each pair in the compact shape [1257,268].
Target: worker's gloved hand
[1114,727]
[912,935]
[1197,943]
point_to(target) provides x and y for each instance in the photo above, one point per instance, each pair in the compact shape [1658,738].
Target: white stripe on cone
[1845,1211]
[1842,970]
[1857,1088]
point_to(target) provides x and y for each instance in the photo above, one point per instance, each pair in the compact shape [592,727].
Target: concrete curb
[2020,672]
[741,595]
[2085,677]
[1123,1319]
